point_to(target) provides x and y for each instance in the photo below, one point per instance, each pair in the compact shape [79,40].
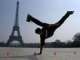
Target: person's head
[37,31]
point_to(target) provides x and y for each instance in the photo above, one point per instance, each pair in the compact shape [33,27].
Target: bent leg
[36,21]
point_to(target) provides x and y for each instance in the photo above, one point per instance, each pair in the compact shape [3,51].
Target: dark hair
[37,30]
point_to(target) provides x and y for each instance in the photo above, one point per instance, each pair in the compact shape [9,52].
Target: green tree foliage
[76,37]
[76,40]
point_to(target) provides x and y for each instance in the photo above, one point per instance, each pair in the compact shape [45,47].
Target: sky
[48,11]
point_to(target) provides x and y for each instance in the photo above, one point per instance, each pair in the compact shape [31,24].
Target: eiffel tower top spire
[16,23]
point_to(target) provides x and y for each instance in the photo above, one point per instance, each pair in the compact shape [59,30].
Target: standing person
[47,29]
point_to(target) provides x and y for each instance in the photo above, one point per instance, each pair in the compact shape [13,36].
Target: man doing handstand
[47,29]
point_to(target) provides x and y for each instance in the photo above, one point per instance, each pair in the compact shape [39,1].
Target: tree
[69,43]
[76,42]
[2,44]
[57,43]
[76,37]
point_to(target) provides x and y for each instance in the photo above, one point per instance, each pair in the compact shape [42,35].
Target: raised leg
[59,23]
[36,21]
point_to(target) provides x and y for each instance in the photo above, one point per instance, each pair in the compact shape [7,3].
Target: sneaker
[70,12]
[28,18]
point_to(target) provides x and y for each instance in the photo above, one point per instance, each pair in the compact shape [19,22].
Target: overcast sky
[49,11]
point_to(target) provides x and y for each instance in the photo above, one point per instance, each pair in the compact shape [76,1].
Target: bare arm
[42,43]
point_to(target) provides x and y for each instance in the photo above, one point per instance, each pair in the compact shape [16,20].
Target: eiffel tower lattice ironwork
[15,28]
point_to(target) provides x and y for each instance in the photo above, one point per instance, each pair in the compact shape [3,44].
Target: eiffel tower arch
[16,28]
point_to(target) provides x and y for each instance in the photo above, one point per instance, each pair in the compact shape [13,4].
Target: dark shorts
[50,33]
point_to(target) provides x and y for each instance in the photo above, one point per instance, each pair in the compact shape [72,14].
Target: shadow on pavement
[29,57]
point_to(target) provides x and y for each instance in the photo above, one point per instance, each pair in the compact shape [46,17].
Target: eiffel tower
[15,28]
